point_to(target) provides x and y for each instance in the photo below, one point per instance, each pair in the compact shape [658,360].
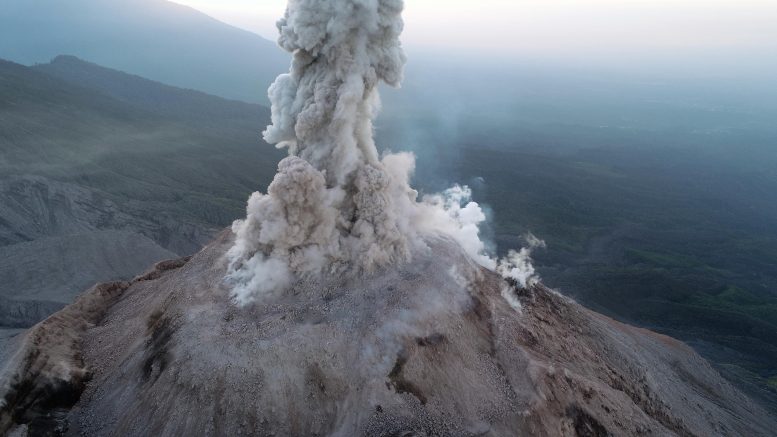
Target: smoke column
[335,206]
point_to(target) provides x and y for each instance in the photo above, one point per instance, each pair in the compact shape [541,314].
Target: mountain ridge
[143,93]
[160,40]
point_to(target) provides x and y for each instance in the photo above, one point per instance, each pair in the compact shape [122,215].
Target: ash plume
[336,206]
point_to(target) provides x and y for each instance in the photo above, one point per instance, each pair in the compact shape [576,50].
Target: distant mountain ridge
[146,94]
[156,39]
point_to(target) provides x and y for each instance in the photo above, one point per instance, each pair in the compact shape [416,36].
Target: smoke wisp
[336,206]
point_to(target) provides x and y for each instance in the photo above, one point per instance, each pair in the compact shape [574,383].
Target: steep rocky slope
[435,347]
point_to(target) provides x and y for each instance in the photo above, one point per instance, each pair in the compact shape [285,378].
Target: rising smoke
[336,206]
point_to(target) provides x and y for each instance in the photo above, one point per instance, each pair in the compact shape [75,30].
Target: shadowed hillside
[105,169]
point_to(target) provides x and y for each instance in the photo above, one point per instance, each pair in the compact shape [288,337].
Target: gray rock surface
[10,340]
[40,277]
[436,347]
[20,314]
[34,207]
[57,239]
[51,268]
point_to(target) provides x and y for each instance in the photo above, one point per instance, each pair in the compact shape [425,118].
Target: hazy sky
[555,27]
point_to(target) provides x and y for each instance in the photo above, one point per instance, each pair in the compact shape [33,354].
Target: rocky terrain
[103,173]
[59,239]
[438,346]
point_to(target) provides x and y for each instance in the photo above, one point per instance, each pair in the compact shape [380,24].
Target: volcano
[344,305]
[440,346]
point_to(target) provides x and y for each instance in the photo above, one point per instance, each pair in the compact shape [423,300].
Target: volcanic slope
[438,346]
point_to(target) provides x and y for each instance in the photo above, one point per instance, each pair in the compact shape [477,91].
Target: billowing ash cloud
[335,206]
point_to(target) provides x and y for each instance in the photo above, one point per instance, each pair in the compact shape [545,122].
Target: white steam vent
[335,206]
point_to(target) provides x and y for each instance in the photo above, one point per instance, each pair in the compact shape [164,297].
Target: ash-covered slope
[433,347]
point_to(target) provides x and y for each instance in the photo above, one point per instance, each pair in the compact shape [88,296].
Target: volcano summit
[431,348]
